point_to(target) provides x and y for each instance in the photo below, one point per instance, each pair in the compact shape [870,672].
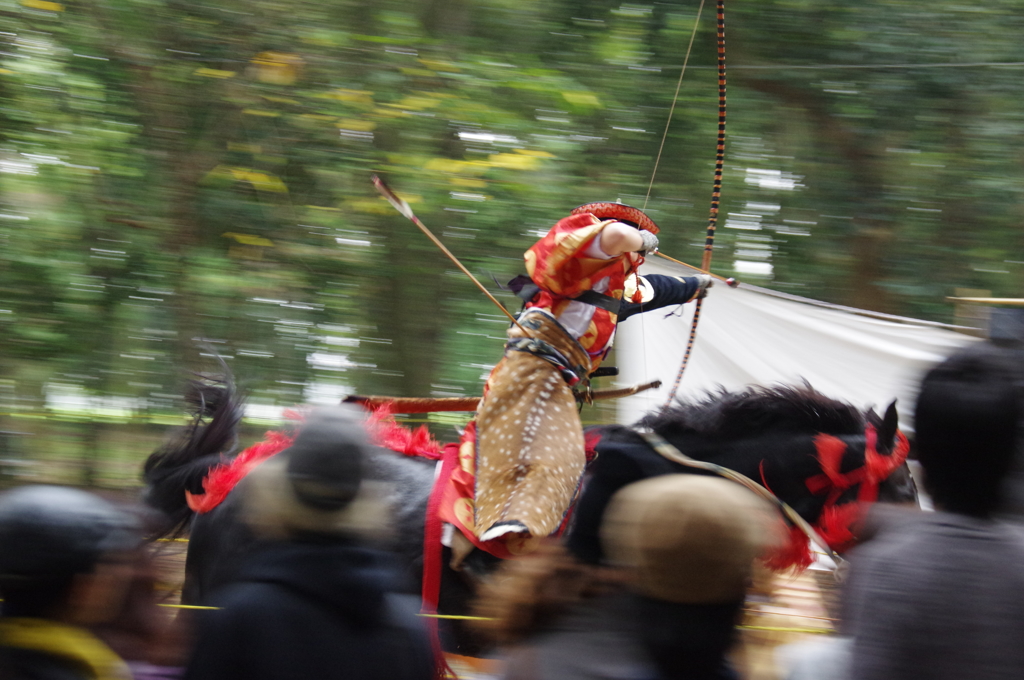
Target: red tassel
[795,553]
[638,295]
[591,438]
[388,433]
[836,525]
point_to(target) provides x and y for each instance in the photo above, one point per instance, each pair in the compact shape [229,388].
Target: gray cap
[325,462]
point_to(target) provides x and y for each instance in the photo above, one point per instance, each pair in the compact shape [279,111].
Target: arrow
[731,282]
[403,207]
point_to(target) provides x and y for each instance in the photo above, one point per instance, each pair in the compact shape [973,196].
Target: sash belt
[546,351]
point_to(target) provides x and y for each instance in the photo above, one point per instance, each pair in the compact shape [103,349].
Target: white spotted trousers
[530,452]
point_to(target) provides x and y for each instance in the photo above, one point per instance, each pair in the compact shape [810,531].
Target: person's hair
[966,428]
[527,595]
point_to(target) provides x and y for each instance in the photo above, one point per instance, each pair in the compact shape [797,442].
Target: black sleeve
[668,291]
[411,655]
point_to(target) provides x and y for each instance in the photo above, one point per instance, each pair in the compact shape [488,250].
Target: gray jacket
[940,596]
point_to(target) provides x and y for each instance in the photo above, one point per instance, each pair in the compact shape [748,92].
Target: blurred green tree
[184,178]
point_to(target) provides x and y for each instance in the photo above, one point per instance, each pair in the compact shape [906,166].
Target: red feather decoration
[796,552]
[836,525]
[386,432]
[221,479]
[383,429]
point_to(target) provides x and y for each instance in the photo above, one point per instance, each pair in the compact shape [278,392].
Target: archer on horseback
[523,455]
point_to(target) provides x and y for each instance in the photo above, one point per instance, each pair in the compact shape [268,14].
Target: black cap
[54,531]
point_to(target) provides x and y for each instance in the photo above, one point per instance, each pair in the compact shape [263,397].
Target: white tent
[753,336]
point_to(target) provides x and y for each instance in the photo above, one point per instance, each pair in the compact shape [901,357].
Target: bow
[716,190]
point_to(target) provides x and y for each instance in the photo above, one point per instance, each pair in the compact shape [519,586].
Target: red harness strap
[432,555]
[836,520]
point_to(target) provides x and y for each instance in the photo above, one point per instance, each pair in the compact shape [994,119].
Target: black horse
[775,436]
[822,457]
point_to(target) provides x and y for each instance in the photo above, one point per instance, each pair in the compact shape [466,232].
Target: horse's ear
[887,430]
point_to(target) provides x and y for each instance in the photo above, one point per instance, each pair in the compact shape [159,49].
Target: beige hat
[688,538]
[317,485]
[274,510]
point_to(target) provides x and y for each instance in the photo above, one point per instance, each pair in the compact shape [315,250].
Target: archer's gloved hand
[650,243]
[703,283]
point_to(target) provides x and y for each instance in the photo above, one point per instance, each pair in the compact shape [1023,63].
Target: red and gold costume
[560,265]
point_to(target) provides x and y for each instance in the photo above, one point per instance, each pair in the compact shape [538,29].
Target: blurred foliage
[184,178]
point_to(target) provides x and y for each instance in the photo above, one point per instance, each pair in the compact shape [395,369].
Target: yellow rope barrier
[457,617]
[777,629]
[783,629]
[758,612]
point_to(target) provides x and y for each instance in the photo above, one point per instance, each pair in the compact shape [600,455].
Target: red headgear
[618,211]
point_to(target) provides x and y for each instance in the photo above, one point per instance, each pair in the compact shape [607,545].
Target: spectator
[313,601]
[66,560]
[942,596]
[153,641]
[684,546]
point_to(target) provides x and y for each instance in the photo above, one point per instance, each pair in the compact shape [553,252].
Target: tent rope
[672,108]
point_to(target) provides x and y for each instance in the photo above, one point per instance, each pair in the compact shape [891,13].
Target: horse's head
[857,470]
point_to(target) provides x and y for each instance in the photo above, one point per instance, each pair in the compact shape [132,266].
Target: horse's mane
[182,462]
[758,410]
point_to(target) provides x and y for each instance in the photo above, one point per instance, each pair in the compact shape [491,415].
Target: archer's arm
[667,291]
[618,238]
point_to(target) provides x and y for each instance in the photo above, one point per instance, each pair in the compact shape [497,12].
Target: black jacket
[24,664]
[311,611]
